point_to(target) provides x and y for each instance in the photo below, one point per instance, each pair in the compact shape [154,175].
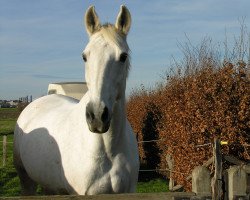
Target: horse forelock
[108,33]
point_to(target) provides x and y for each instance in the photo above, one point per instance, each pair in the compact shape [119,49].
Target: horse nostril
[90,115]
[105,115]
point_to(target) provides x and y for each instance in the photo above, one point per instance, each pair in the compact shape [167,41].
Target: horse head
[106,58]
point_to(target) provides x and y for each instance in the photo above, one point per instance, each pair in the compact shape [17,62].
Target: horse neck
[116,133]
[119,116]
[115,137]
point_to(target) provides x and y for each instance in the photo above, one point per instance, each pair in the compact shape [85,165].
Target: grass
[9,182]
[156,185]
[7,126]
[8,117]
[9,113]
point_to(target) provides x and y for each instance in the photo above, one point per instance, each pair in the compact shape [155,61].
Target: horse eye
[123,57]
[84,57]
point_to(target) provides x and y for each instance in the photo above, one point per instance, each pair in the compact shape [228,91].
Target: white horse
[86,147]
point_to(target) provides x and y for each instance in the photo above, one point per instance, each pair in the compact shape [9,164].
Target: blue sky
[41,41]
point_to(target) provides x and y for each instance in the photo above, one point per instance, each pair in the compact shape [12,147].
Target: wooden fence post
[170,163]
[216,182]
[4,150]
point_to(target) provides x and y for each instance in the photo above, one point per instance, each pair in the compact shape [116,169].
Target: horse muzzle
[98,118]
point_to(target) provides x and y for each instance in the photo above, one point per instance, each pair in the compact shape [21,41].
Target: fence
[152,196]
[4,149]
[231,184]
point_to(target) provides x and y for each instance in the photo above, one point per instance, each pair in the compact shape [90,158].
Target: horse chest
[105,176]
[115,178]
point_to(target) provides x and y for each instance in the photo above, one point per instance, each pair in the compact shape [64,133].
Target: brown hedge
[144,115]
[192,108]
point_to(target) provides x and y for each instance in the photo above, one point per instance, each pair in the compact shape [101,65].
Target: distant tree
[21,106]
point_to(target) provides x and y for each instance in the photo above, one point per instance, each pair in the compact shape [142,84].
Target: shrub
[205,98]
[143,115]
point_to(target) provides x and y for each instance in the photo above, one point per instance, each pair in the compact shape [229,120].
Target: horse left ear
[123,21]
[92,22]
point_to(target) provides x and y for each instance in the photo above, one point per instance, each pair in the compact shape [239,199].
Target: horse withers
[83,147]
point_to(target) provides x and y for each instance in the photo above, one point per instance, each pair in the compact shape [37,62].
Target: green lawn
[9,113]
[8,117]
[155,185]
[7,126]
[9,182]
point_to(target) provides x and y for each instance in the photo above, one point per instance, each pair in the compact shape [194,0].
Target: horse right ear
[92,22]
[123,21]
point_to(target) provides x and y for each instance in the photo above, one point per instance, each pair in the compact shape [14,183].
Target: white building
[13,103]
[72,89]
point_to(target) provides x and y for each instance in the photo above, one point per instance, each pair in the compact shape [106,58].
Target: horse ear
[92,22]
[123,21]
